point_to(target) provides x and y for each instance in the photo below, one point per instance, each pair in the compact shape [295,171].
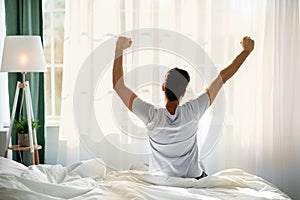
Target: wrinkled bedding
[89,180]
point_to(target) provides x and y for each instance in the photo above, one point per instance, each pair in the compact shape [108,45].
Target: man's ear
[180,98]
[183,93]
[163,87]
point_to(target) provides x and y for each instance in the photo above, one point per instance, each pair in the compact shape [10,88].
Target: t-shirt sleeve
[145,111]
[199,105]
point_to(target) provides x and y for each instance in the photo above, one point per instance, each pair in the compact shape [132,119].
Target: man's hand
[123,43]
[247,44]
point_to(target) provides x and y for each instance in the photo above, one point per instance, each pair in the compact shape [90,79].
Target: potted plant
[21,127]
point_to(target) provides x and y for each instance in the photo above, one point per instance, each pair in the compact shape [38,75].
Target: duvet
[89,180]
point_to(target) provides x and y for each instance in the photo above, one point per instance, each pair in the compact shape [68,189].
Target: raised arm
[119,86]
[213,89]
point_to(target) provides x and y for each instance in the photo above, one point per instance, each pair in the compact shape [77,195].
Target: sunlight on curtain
[84,34]
[260,130]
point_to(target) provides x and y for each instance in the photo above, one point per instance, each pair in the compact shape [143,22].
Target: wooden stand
[19,148]
[32,133]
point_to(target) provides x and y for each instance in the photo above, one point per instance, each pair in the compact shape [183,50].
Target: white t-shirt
[173,138]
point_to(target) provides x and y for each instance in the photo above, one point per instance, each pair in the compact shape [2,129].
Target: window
[53,35]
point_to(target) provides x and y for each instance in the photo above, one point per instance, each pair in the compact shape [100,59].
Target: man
[173,129]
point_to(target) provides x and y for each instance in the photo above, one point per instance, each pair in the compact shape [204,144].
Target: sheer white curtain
[281,95]
[4,108]
[260,130]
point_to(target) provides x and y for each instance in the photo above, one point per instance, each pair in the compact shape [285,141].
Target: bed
[90,180]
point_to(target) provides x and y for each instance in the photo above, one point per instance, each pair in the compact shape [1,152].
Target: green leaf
[21,125]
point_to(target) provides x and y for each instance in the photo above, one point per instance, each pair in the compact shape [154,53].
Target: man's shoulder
[202,98]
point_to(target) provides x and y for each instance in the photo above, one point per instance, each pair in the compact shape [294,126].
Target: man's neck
[171,105]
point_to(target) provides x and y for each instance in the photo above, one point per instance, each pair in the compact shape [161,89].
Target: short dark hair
[176,81]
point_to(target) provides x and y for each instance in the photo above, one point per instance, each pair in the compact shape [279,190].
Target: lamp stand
[32,133]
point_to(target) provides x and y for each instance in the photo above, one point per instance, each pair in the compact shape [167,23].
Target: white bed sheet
[88,180]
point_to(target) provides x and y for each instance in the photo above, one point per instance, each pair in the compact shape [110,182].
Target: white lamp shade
[23,54]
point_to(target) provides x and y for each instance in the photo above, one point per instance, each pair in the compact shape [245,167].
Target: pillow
[93,168]
[8,166]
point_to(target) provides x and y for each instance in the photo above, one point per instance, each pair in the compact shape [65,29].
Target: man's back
[173,138]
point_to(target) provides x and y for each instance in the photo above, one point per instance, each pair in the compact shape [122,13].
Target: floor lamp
[23,54]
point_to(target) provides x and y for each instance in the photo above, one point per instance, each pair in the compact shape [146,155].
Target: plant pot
[23,140]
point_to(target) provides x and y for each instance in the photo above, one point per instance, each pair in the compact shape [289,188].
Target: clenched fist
[123,43]
[247,43]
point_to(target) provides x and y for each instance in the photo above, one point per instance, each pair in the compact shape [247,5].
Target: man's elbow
[114,86]
[118,87]
[118,82]
[224,76]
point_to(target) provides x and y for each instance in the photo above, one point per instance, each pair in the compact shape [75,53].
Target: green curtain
[25,17]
